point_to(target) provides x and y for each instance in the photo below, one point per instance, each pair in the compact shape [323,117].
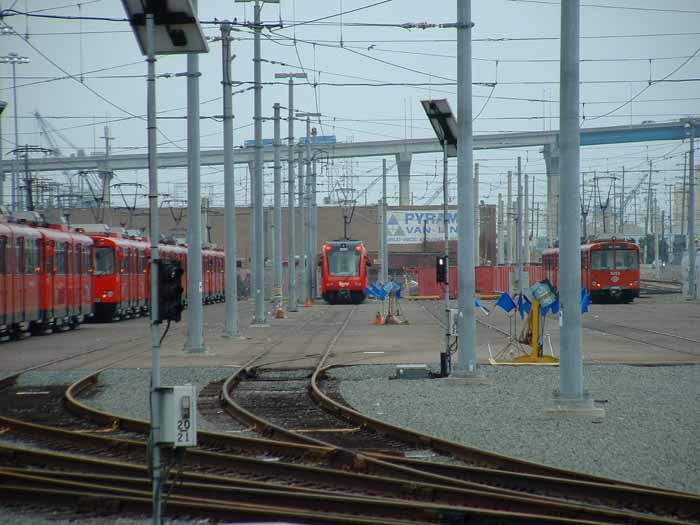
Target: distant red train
[53,278]
[122,274]
[344,271]
[45,278]
[609,269]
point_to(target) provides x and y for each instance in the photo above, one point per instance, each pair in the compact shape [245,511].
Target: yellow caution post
[534,339]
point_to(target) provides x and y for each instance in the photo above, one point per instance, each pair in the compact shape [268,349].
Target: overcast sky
[625,44]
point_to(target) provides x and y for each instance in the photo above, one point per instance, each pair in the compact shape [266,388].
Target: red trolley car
[609,269]
[344,271]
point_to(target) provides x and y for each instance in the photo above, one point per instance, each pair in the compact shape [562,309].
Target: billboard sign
[416,226]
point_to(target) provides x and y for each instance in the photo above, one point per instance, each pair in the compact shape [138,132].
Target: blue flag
[585,301]
[481,307]
[378,292]
[505,302]
[524,306]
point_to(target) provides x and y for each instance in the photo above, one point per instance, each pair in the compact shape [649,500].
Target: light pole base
[462,376]
[259,325]
[198,350]
[583,406]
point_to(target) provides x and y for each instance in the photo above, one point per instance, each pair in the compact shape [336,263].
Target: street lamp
[161,27]
[291,230]
[445,126]
[14,59]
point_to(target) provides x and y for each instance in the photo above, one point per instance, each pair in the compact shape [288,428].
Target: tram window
[86,259]
[3,242]
[344,263]
[19,257]
[602,260]
[104,261]
[626,260]
[61,258]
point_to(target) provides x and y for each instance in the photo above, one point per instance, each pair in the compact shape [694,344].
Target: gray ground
[649,433]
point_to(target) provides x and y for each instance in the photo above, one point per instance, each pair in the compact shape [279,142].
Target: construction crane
[49,132]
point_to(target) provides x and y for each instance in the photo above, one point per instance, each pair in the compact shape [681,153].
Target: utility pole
[646,220]
[291,211]
[277,241]
[313,243]
[231,325]
[258,186]
[3,105]
[571,364]
[384,262]
[692,277]
[444,370]
[306,225]
[195,309]
[465,146]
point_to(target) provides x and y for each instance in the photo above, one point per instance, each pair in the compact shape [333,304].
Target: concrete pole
[477,222]
[692,278]
[571,367]
[303,290]
[519,229]
[509,219]
[465,146]
[384,262]
[231,325]
[291,212]
[277,244]
[500,240]
[153,234]
[526,222]
[195,310]
[259,255]
[657,255]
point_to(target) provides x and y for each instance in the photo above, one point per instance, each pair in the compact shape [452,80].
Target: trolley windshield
[104,261]
[614,260]
[343,262]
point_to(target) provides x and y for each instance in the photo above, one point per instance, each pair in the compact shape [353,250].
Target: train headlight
[594,283]
[108,294]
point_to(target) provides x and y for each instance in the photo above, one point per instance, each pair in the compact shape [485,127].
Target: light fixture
[443,122]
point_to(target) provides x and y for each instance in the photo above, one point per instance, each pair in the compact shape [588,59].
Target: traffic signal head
[170,292]
[441,269]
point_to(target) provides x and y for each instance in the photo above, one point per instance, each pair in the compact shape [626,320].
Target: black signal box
[170,292]
[441,269]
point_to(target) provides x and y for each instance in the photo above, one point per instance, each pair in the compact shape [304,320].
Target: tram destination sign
[416,226]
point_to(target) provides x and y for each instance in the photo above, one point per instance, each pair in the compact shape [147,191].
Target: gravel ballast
[649,433]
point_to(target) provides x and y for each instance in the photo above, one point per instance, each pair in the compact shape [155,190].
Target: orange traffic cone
[378,318]
[308,302]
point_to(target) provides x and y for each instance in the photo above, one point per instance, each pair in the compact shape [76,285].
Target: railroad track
[448,501]
[453,497]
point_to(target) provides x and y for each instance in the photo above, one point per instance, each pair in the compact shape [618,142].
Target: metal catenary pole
[692,277]
[291,227]
[465,146]
[519,228]
[277,143]
[526,221]
[509,218]
[314,229]
[15,165]
[571,368]
[259,218]
[500,239]
[306,224]
[622,205]
[302,229]
[195,309]
[231,326]
[154,234]
[384,262]
[477,219]
[444,369]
